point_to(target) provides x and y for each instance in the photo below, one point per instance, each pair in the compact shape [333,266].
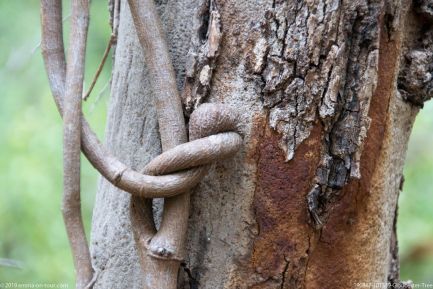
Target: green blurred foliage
[31,225]
[415,221]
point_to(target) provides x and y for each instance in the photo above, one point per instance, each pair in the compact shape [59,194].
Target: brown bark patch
[282,245]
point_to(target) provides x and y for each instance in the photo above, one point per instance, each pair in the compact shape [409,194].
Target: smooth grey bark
[313,193]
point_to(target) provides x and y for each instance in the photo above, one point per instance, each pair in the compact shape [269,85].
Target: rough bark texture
[328,92]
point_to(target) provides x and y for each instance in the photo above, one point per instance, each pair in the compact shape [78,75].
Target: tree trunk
[328,92]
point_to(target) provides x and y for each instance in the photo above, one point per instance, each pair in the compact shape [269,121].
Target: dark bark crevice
[415,81]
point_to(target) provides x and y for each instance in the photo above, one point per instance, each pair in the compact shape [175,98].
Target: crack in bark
[193,283]
[202,56]
[283,274]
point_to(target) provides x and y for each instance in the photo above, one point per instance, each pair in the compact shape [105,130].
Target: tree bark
[328,92]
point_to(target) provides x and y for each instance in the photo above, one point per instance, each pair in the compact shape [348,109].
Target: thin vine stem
[71,206]
[101,66]
[68,83]
[169,240]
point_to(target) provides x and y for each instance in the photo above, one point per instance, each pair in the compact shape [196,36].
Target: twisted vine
[179,168]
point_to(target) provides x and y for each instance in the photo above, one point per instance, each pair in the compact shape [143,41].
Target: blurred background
[31,225]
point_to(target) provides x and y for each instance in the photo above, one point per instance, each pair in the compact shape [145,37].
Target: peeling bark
[327,92]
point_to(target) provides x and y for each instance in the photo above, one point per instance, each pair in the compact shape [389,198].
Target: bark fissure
[193,283]
[202,56]
[284,273]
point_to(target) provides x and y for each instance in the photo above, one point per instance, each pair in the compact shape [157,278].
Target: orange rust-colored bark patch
[280,205]
[341,255]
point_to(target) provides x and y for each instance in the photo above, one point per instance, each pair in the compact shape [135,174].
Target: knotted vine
[213,135]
